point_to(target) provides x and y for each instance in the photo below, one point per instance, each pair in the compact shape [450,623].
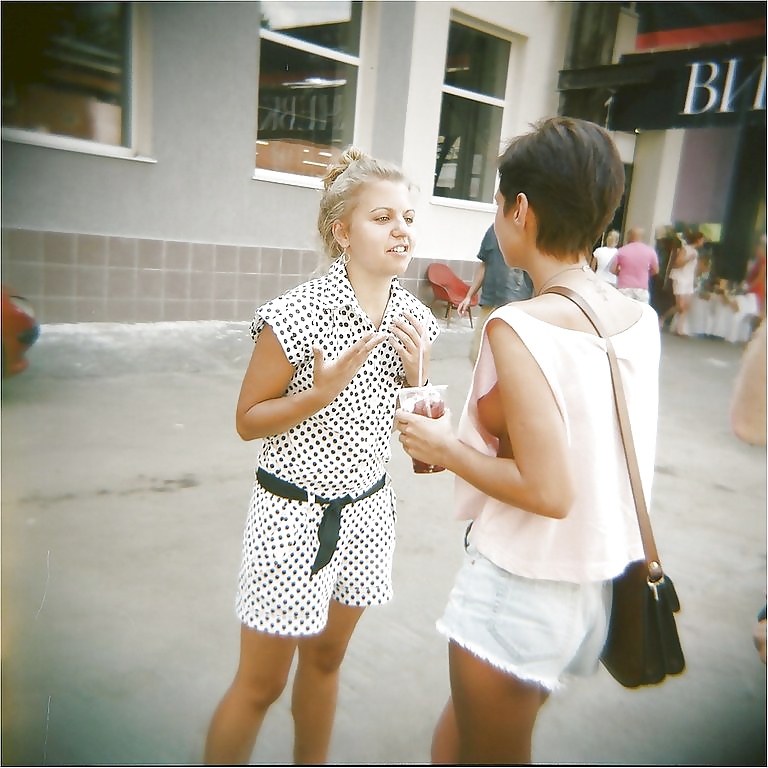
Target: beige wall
[654,178]
[191,234]
[452,230]
[73,278]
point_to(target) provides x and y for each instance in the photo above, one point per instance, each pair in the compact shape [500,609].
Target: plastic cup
[428,400]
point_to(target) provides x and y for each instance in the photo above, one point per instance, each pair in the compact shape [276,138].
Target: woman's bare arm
[264,409]
[748,405]
[539,478]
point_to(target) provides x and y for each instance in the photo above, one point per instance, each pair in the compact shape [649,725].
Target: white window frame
[452,90]
[139,99]
[294,179]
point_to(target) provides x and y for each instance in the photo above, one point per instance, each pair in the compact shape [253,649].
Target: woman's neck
[372,292]
[551,271]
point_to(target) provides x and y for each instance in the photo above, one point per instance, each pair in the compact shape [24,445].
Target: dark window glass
[306,100]
[467,149]
[470,128]
[65,69]
[334,25]
[306,110]
[476,61]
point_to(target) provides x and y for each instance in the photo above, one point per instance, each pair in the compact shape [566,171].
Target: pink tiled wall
[72,278]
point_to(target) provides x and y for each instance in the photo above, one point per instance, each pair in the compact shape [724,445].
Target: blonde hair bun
[337,167]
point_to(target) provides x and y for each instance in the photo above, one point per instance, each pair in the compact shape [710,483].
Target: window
[470,117]
[307,84]
[65,70]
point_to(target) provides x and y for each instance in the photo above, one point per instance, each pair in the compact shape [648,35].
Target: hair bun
[335,169]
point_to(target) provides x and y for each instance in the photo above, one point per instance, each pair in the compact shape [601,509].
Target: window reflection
[334,25]
[306,99]
[476,61]
[467,148]
[64,69]
[471,114]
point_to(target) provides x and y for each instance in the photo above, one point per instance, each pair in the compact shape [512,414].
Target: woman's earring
[344,258]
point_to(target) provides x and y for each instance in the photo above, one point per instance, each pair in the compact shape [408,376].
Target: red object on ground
[20,331]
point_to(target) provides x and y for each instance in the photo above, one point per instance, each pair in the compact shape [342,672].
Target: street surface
[124,493]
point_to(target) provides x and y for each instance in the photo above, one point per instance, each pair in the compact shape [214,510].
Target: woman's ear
[521,209]
[340,233]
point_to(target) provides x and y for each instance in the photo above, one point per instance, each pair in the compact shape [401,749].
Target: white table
[728,317]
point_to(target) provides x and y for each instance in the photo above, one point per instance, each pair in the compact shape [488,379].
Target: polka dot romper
[342,449]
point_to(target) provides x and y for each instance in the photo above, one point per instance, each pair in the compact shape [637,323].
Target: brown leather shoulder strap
[646,532]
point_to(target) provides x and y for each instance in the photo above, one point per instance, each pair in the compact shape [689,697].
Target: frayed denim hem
[550,685]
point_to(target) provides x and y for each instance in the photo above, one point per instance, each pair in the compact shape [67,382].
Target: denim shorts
[540,631]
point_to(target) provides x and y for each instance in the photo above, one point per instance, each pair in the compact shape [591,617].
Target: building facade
[684,85]
[163,161]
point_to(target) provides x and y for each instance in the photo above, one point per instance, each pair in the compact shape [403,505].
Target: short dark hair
[573,177]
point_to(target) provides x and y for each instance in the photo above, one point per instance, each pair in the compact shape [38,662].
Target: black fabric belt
[328,532]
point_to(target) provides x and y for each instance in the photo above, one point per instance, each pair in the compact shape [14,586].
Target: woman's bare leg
[445,740]
[495,712]
[680,321]
[669,315]
[265,662]
[316,685]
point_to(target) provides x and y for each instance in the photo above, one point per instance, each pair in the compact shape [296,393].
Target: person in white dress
[604,256]
[683,275]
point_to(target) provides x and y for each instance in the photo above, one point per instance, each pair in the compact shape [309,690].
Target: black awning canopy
[696,87]
[606,76]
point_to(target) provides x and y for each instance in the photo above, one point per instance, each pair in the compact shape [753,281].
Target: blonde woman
[321,390]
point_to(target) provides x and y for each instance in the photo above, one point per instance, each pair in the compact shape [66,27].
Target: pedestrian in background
[321,390]
[748,402]
[685,261]
[498,285]
[540,465]
[748,422]
[755,277]
[604,256]
[634,264]
[666,243]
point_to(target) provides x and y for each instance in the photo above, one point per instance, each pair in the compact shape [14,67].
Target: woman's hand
[413,347]
[264,409]
[329,379]
[425,439]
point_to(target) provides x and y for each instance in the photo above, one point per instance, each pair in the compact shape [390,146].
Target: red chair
[447,286]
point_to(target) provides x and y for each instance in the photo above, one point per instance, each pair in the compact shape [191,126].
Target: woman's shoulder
[616,311]
[305,294]
[292,309]
[409,301]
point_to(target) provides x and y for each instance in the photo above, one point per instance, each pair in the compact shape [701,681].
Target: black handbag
[643,645]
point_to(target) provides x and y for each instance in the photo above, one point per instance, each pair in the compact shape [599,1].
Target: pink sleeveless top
[600,534]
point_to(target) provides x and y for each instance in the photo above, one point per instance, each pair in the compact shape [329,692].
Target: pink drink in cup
[425,401]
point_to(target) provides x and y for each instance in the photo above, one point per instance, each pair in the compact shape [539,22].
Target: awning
[697,87]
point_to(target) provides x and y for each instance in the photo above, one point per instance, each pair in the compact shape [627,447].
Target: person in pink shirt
[634,264]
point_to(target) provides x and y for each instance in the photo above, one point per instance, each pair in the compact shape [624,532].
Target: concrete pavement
[124,492]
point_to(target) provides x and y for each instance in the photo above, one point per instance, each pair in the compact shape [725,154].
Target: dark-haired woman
[540,468]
